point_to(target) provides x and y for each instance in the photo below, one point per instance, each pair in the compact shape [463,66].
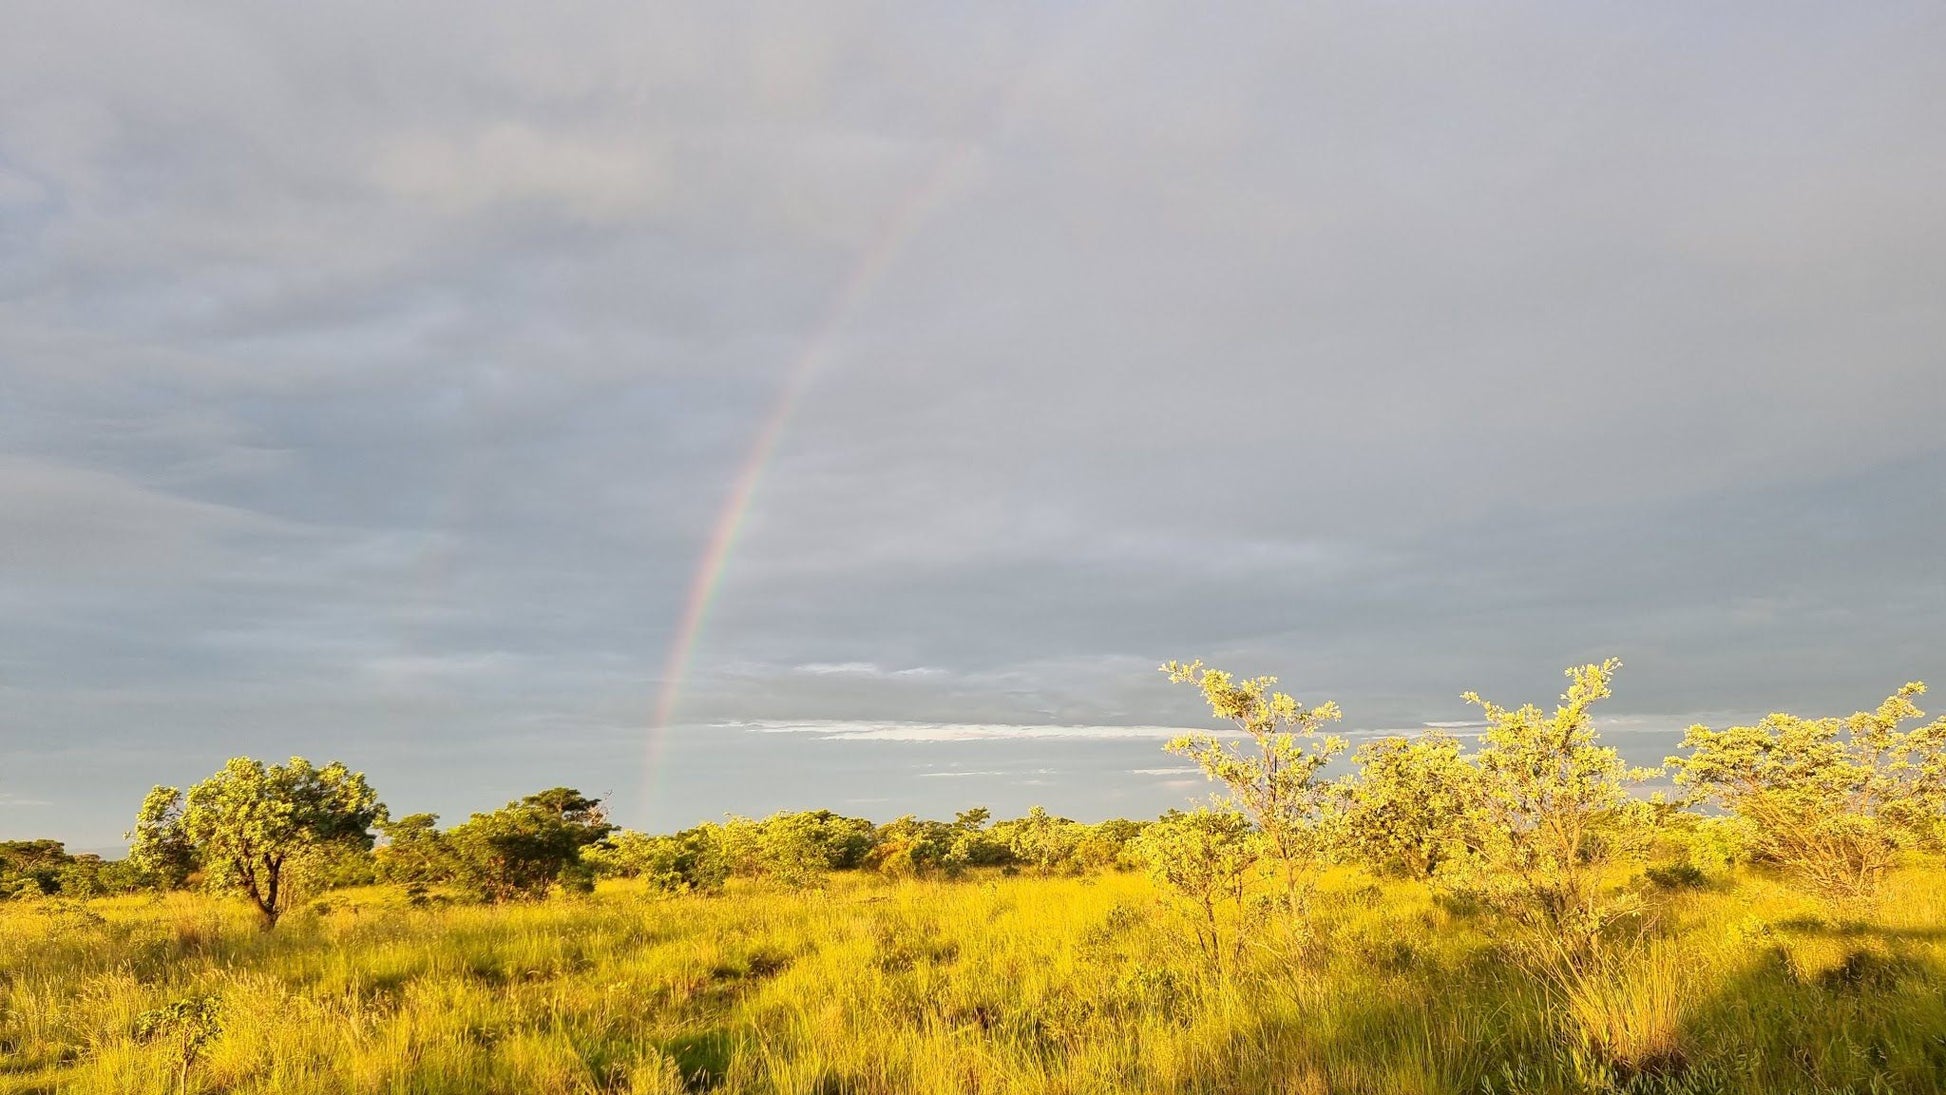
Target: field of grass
[988,984]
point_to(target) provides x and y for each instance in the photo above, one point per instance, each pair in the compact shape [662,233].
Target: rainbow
[886,245]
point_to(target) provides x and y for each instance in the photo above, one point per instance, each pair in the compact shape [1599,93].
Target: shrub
[521,850]
[1276,779]
[691,860]
[1832,801]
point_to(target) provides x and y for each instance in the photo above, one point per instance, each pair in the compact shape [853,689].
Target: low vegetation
[1506,915]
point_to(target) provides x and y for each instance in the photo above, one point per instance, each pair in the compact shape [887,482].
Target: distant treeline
[562,839]
[1535,819]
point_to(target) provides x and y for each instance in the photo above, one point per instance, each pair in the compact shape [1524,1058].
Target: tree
[975,845]
[415,852]
[1108,845]
[689,861]
[1553,812]
[1208,857]
[1276,780]
[1832,801]
[521,850]
[1403,807]
[1041,840]
[909,847]
[796,849]
[253,829]
[30,868]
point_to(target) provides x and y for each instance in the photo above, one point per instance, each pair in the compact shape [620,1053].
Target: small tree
[521,850]
[1404,806]
[794,850]
[1276,779]
[1108,845]
[415,852]
[31,868]
[1832,801]
[253,828]
[912,847]
[185,1026]
[684,862]
[1208,858]
[1041,840]
[975,845]
[1553,812]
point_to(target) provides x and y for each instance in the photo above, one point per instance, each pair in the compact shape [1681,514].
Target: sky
[376,381]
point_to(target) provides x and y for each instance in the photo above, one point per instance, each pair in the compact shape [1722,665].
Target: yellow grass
[983,985]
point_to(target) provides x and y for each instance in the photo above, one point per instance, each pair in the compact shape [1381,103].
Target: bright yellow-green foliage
[987,984]
[1554,810]
[1834,800]
[1277,777]
[252,827]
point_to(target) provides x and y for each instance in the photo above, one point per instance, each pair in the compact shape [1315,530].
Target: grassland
[995,984]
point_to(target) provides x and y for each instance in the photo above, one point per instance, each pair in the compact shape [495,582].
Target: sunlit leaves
[250,827]
[1834,801]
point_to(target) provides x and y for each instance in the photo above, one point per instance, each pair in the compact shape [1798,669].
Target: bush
[691,860]
[1832,801]
[520,851]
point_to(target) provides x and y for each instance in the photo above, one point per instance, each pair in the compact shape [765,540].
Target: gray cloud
[370,381]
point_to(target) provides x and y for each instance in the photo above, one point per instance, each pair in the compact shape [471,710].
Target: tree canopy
[252,828]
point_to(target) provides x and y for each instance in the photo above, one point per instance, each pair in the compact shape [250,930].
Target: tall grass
[985,985]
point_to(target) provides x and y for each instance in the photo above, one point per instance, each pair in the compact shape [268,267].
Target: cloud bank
[371,380]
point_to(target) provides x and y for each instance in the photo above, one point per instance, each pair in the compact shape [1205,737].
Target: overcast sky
[372,378]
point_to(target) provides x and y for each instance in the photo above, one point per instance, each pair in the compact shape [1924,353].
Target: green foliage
[415,852]
[1208,858]
[1833,801]
[909,847]
[257,830]
[44,868]
[523,849]
[31,868]
[1276,781]
[1405,807]
[689,861]
[1110,845]
[1554,812]
[1041,840]
[185,1027]
[795,849]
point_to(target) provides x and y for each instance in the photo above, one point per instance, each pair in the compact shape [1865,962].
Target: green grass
[988,985]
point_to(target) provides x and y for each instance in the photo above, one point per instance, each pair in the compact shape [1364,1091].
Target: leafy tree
[691,860]
[795,849]
[975,845]
[1276,779]
[255,829]
[415,852]
[909,847]
[31,868]
[1207,857]
[185,1026]
[1553,813]
[832,841]
[524,848]
[1109,845]
[1041,840]
[92,876]
[1833,801]
[1404,806]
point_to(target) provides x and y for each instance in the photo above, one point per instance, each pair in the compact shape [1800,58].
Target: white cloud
[866,669]
[840,669]
[864,730]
